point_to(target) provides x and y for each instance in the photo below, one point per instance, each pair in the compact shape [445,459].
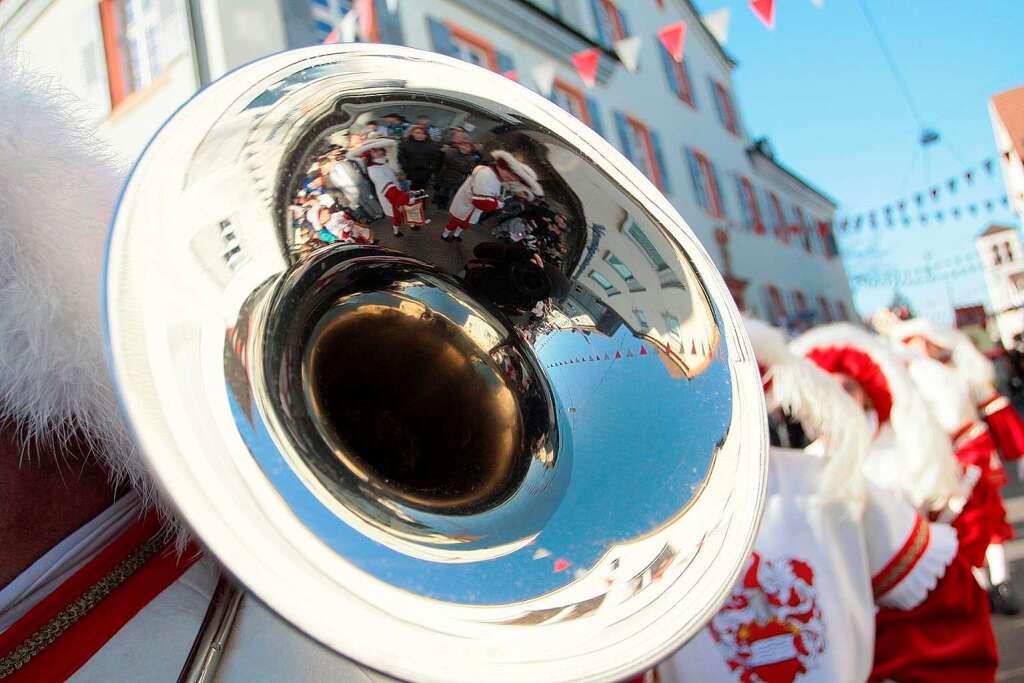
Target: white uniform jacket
[804,607]
[482,183]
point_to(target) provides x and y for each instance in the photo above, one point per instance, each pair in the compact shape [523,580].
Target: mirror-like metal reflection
[470,372]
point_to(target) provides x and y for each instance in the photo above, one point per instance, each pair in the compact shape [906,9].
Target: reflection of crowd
[390,168]
[358,176]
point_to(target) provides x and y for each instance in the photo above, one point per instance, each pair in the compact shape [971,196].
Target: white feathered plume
[820,404]
[926,469]
[58,188]
[977,370]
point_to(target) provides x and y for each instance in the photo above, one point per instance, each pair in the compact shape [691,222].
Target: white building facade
[1007,113]
[1001,254]
[133,62]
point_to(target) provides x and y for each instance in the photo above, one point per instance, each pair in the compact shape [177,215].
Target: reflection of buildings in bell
[625,269]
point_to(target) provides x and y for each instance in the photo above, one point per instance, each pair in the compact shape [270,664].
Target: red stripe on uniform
[92,631]
[904,561]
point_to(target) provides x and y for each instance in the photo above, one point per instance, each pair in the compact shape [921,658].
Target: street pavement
[1010,630]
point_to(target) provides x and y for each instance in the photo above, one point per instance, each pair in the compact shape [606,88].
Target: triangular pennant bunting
[628,51]
[673,37]
[544,78]
[717,24]
[585,62]
[765,11]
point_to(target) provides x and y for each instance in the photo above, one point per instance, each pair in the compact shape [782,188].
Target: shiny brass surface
[515,434]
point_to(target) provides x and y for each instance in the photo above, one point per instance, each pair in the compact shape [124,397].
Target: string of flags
[597,357]
[920,276]
[671,36]
[903,214]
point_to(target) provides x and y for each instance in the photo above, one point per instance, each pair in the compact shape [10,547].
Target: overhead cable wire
[897,75]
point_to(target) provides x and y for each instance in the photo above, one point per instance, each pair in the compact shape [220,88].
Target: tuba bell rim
[241,518]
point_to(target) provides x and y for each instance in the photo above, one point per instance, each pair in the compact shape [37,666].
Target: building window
[678,75]
[624,272]
[611,24]
[1008,252]
[801,226]
[641,318]
[826,311]
[776,305]
[997,257]
[779,216]
[571,100]
[724,106]
[671,325]
[751,211]
[705,183]
[800,301]
[473,49]
[646,246]
[641,147]
[327,16]
[828,239]
[604,282]
[841,309]
[141,39]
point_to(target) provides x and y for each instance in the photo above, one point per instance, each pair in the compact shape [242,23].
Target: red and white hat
[526,175]
[921,464]
[826,412]
[977,370]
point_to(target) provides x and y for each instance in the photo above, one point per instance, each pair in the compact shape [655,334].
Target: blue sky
[819,88]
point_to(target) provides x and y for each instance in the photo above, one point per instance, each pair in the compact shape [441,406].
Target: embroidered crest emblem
[770,629]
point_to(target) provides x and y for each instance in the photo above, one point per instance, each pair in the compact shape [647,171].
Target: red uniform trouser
[457,224]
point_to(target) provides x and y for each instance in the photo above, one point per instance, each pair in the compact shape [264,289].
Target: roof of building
[1009,106]
[996,228]
[762,148]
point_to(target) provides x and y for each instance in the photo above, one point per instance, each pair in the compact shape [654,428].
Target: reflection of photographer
[513,276]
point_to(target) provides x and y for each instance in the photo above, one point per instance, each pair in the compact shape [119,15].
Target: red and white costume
[1004,422]
[481,191]
[478,194]
[983,518]
[910,453]
[949,635]
[389,194]
[831,548]
[970,380]
[116,599]
[385,183]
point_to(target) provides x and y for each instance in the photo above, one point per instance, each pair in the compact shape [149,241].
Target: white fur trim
[526,175]
[922,579]
[977,370]
[974,367]
[945,392]
[922,327]
[809,395]
[59,188]
[372,143]
[930,473]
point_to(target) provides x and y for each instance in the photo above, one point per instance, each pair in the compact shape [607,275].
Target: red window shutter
[112,51]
